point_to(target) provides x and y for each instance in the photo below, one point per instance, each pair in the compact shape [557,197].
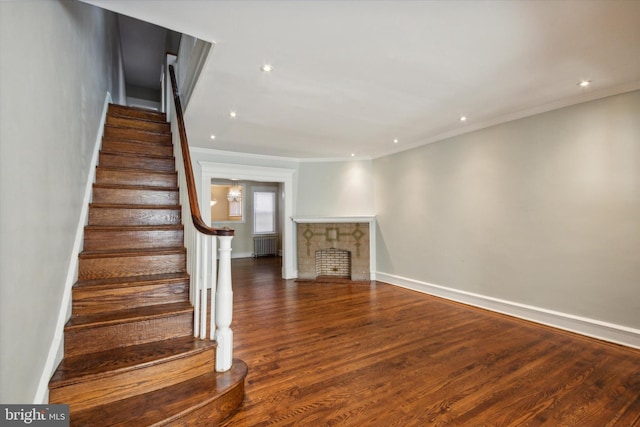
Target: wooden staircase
[130,358]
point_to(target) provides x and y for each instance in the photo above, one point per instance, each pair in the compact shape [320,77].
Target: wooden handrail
[196,217]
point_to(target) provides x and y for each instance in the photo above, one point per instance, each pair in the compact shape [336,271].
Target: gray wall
[59,59]
[242,243]
[543,211]
[335,188]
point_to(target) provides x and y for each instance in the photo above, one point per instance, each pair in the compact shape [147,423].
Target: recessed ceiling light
[584,83]
[353,154]
[395,141]
[266,68]
[212,136]
[232,114]
[463,118]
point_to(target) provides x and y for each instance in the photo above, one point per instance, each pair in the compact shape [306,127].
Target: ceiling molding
[563,103]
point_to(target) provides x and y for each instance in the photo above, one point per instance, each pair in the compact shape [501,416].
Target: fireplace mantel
[331,219]
[366,222]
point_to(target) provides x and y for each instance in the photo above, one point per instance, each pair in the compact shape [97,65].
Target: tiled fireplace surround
[343,234]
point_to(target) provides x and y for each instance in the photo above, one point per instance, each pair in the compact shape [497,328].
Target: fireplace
[334,247]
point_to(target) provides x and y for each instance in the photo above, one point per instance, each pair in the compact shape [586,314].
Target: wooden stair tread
[96,365]
[138,115]
[117,213]
[124,175]
[151,132]
[137,155]
[158,120]
[130,315]
[115,282]
[137,123]
[147,161]
[132,252]
[140,131]
[165,227]
[138,141]
[132,206]
[133,170]
[117,126]
[136,112]
[135,193]
[168,405]
[135,187]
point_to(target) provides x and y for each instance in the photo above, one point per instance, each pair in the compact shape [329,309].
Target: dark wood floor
[378,355]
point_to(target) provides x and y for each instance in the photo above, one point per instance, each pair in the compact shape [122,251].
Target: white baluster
[196,305]
[224,308]
[204,261]
[191,260]
[214,272]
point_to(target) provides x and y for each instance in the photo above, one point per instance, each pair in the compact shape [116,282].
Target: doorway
[212,171]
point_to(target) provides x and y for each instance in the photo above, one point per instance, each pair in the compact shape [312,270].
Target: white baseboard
[241,255]
[56,349]
[590,327]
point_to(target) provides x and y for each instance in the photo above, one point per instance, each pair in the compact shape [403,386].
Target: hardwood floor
[378,355]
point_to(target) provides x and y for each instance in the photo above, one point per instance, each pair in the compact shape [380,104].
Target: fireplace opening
[335,263]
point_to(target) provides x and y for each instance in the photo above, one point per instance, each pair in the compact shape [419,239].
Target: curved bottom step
[202,401]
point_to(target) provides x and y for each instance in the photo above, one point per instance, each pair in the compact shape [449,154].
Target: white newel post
[224,307]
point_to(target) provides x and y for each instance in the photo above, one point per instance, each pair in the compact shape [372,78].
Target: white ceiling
[350,76]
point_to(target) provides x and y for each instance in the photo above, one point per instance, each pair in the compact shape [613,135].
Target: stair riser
[125,122]
[119,146]
[137,216]
[135,239]
[129,177]
[136,135]
[124,196]
[158,164]
[131,383]
[127,266]
[88,301]
[85,340]
[214,412]
[119,110]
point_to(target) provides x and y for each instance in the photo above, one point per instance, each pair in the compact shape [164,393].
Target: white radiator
[265,245]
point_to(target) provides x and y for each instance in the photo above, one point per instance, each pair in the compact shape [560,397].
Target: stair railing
[199,240]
